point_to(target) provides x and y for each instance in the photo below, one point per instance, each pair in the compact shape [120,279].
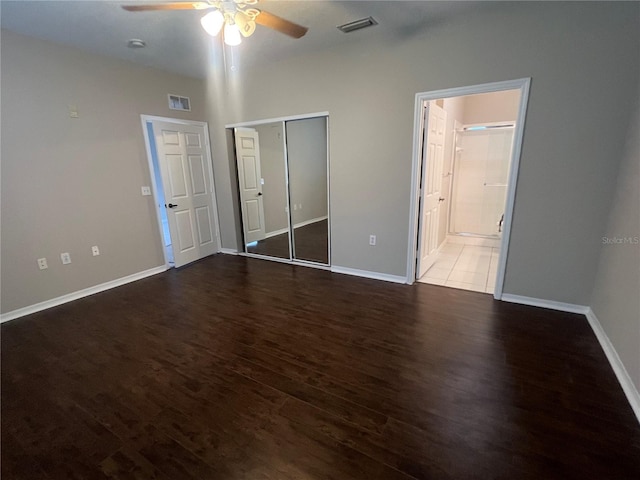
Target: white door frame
[522,84]
[154,187]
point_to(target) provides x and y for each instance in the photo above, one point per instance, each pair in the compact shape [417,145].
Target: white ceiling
[176,42]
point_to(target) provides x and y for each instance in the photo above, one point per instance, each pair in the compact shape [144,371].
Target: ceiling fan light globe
[251,12]
[245,23]
[248,29]
[232,35]
[212,22]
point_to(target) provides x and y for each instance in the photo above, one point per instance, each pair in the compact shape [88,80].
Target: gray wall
[615,298]
[307,157]
[272,168]
[578,112]
[68,184]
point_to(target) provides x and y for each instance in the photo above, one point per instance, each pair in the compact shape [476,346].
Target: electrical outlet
[95,250]
[300,207]
[66,258]
[146,191]
[372,239]
[295,206]
[42,264]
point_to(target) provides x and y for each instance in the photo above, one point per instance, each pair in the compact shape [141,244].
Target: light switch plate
[146,191]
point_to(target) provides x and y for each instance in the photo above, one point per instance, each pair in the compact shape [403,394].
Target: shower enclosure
[480,175]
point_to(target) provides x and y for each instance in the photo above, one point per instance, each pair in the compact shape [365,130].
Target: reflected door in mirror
[263,193]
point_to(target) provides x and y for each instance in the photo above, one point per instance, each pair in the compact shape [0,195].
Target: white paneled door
[252,204]
[186,177]
[435,121]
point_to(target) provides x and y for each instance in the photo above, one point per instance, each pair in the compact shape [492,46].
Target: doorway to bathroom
[466,151]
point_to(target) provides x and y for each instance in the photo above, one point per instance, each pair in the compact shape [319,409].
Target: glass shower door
[481,172]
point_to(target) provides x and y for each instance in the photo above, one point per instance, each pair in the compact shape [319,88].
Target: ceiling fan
[237,18]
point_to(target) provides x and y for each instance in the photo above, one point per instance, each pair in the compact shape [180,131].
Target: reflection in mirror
[263,192]
[307,162]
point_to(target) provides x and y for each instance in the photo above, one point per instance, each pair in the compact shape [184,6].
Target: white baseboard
[374,275]
[297,225]
[228,251]
[309,222]
[21,312]
[619,369]
[277,232]
[550,304]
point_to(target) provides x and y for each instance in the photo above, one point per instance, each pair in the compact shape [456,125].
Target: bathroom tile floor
[468,267]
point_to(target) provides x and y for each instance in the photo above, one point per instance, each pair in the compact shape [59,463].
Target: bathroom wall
[491,107]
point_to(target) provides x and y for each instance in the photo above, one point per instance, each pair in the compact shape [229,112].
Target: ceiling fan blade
[167,6]
[270,20]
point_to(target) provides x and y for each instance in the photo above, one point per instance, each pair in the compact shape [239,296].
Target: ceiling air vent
[357,25]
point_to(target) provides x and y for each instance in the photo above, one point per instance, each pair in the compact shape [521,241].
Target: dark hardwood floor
[237,368]
[276,246]
[312,242]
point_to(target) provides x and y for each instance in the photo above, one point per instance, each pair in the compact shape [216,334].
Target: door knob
[441,199]
[259,194]
[172,205]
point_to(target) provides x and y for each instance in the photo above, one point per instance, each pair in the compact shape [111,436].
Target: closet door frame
[284,120]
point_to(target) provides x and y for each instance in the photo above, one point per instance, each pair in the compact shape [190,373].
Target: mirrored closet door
[283,189]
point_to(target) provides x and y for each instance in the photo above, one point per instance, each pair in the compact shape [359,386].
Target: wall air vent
[357,25]
[176,102]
